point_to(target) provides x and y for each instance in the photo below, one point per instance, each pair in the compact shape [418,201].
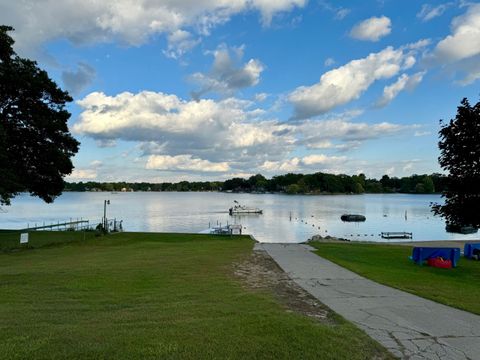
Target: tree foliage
[35,144]
[460,157]
[317,183]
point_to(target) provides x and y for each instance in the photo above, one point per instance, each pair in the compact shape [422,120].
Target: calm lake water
[192,212]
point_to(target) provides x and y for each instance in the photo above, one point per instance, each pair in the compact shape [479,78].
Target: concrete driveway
[408,326]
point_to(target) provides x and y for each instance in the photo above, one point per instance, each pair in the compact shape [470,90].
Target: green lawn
[389,265]
[154,296]
[10,239]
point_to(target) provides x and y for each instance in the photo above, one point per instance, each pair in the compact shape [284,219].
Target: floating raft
[353,217]
[396,235]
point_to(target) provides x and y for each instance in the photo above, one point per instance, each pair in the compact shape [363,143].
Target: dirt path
[260,271]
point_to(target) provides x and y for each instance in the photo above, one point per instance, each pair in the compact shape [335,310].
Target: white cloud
[339,12]
[129,21]
[346,83]
[389,171]
[342,13]
[260,97]
[283,166]
[180,42]
[229,130]
[227,135]
[464,42]
[317,162]
[96,164]
[428,12]
[404,82]
[184,163]
[329,61]
[372,29]
[341,134]
[321,159]
[227,75]
[82,174]
[459,52]
[422,133]
[420,44]
[269,8]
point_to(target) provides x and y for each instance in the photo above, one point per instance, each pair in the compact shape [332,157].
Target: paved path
[409,326]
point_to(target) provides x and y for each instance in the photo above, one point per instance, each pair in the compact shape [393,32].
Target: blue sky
[212,89]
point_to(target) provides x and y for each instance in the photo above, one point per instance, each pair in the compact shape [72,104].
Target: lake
[193,212]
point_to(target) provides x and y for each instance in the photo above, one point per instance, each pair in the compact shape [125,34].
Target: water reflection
[192,212]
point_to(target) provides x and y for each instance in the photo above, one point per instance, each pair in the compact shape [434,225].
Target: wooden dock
[68,225]
[396,235]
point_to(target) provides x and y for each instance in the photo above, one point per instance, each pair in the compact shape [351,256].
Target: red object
[440,263]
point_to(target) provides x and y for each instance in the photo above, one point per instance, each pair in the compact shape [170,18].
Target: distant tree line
[318,183]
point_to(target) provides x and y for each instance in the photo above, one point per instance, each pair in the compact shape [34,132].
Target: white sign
[23,238]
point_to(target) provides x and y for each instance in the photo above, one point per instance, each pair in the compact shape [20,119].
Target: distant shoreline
[247,192]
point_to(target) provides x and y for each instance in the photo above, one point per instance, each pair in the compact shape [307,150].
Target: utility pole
[105,224]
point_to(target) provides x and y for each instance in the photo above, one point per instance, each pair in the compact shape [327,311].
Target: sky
[172,90]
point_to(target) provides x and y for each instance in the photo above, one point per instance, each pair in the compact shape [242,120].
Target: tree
[460,156]
[35,144]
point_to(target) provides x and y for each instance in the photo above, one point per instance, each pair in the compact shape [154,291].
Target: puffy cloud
[284,166]
[346,83]
[428,12]
[464,42]
[226,75]
[130,21]
[82,174]
[459,52]
[184,163]
[321,159]
[76,81]
[218,131]
[307,163]
[269,8]
[372,29]
[341,134]
[180,42]
[224,136]
[404,82]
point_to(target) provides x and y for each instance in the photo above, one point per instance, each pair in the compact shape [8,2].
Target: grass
[10,239]
[389,265]
[154,296]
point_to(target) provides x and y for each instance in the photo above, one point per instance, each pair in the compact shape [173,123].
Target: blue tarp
[420,254]
[468,249]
